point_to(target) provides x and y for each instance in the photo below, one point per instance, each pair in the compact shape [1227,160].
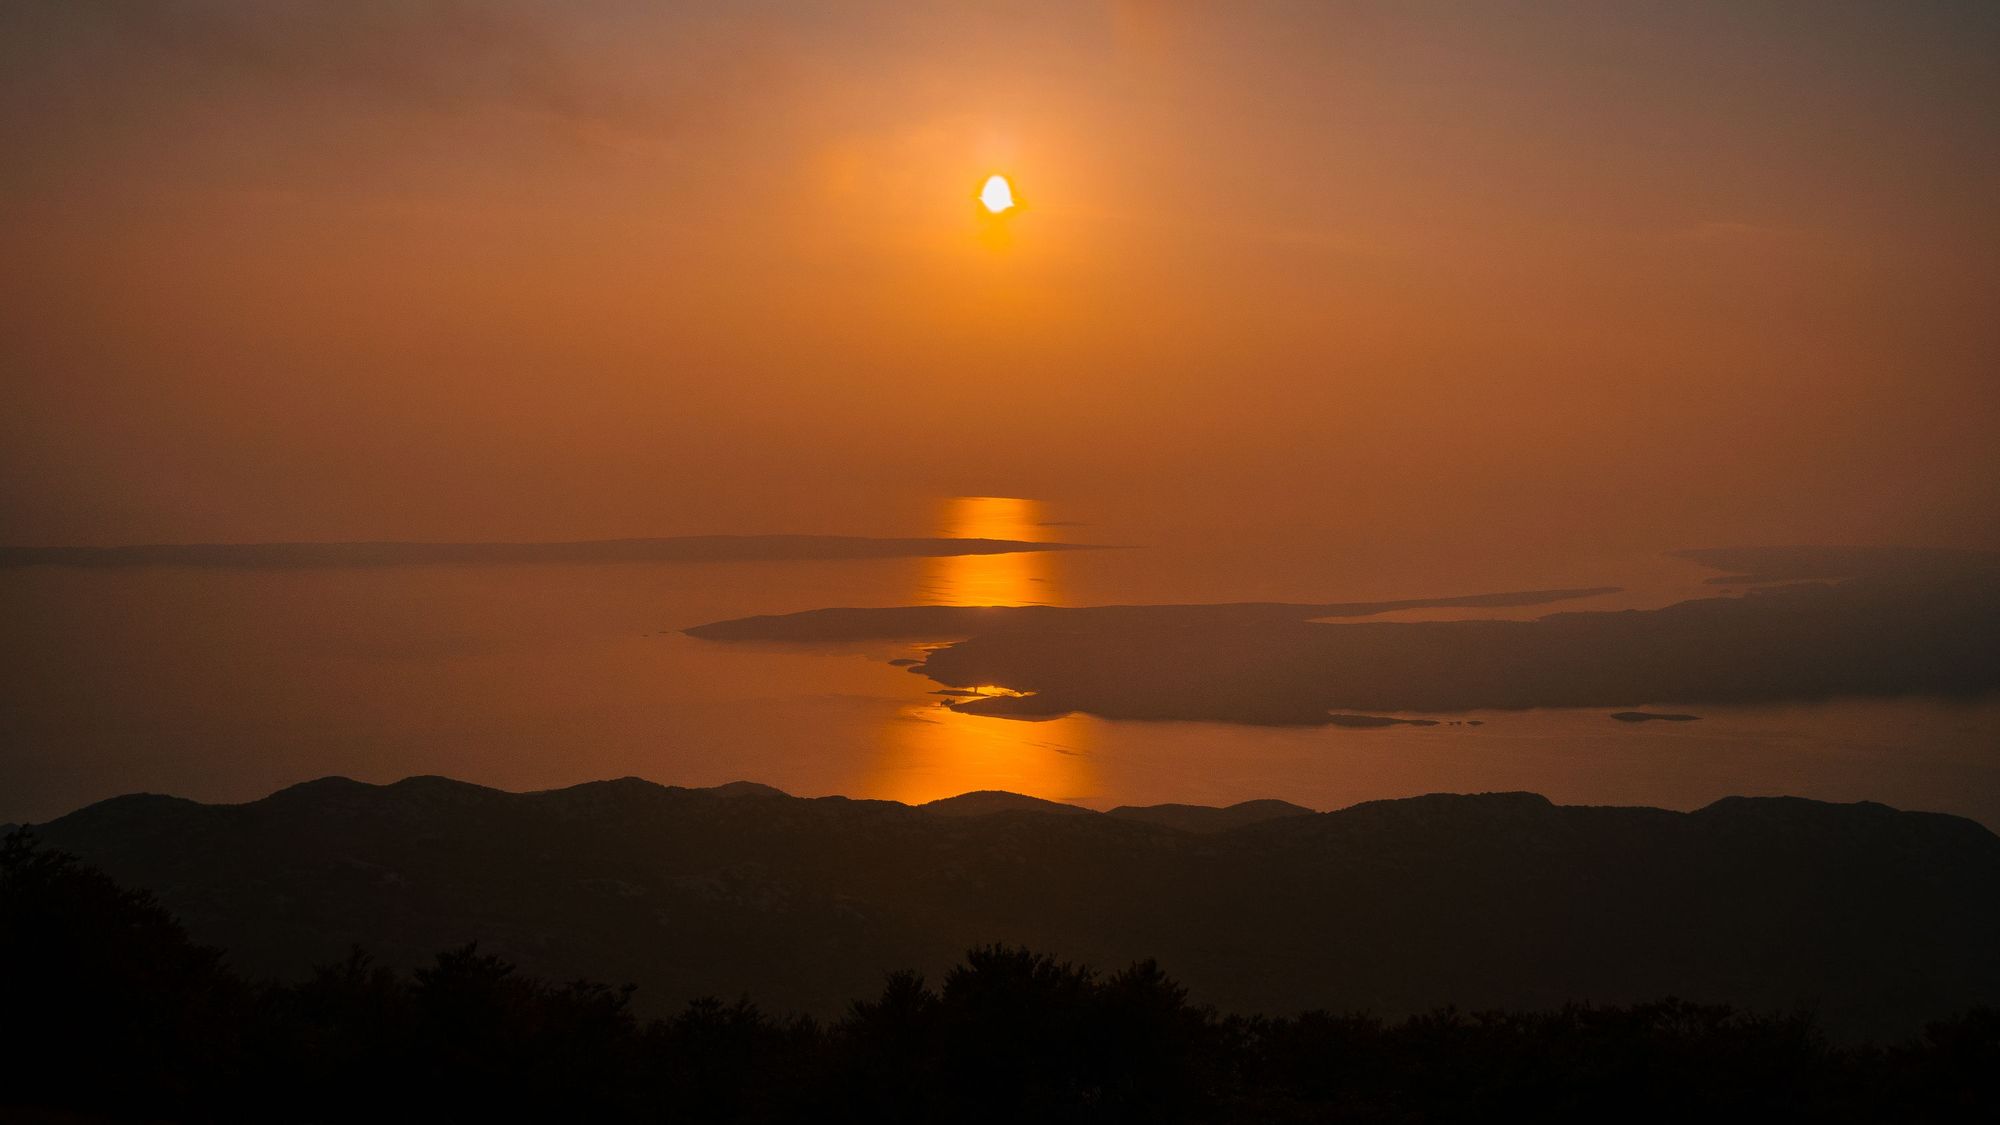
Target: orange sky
[1568,276]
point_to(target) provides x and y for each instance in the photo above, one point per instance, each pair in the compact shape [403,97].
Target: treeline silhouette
[108,1009]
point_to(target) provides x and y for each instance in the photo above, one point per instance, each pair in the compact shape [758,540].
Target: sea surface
[225,684]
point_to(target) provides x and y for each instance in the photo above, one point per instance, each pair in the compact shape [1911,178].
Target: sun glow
[931,750]
[1009,578]
[997,195]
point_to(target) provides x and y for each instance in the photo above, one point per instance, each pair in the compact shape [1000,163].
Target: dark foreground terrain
[111,1012]
[1874,920]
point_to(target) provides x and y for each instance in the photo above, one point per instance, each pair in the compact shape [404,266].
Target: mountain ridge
[1393,906]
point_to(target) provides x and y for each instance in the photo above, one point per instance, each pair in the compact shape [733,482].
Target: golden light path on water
[931,751]
[1019,578]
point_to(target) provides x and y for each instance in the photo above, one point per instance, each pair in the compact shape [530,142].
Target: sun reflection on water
[931,751]
[1017,578]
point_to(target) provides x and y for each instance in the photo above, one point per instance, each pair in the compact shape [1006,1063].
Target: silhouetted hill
[1202,818]
[988,801]
[1876,917]
[736,789]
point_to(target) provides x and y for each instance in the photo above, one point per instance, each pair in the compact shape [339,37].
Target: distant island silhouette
[1764,565]
[1493,900]
[1839,622]
[932,622]
[676,549]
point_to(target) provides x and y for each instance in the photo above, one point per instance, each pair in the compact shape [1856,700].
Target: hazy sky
[1608,274]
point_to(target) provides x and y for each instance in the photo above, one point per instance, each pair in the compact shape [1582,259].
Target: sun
[997,195]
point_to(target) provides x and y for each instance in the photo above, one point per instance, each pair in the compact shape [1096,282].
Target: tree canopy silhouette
[112,1010]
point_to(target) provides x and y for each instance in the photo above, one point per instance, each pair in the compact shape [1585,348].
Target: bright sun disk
[997,195]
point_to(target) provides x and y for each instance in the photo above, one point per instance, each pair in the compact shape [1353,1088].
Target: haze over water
[224,684]
[1292,303]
